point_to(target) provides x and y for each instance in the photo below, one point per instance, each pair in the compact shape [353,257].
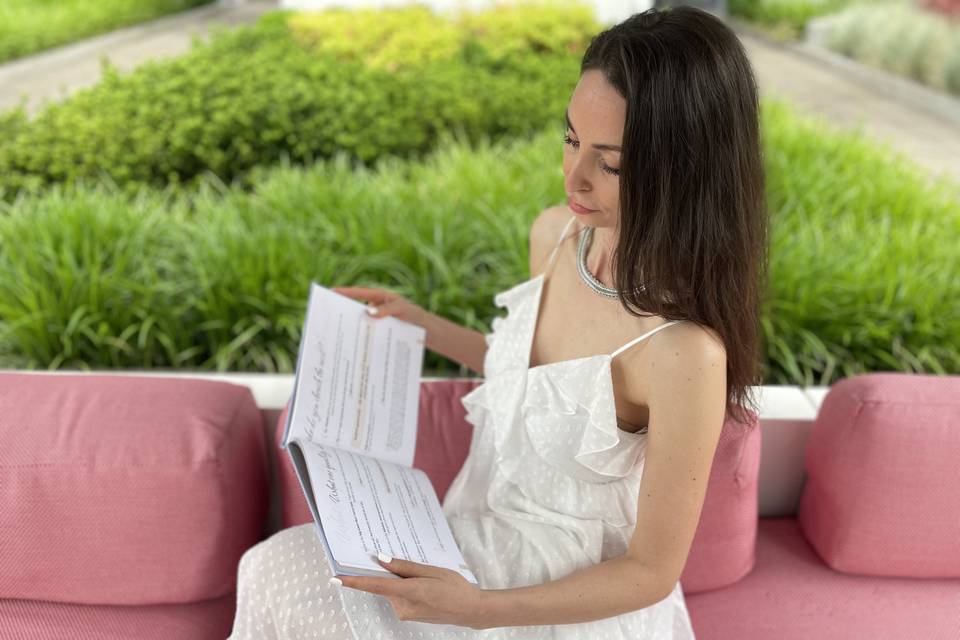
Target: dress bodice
[546,442]
[563,403]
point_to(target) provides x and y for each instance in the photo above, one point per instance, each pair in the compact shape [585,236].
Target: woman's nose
[575,178]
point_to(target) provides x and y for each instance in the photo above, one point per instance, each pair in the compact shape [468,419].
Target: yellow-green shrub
[257,95]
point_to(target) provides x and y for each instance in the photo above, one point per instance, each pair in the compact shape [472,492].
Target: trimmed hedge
[256,95]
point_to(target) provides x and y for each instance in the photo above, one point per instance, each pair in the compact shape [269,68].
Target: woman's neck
[599,255]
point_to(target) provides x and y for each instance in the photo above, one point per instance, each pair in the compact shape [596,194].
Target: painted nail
[384,557]
[372,310]
[336,581]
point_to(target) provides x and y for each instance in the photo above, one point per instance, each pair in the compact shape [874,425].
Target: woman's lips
[577,208]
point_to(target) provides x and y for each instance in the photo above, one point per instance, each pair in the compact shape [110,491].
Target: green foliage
[28,26]
[951,70]
[786,19]
[217,279]
[902,39]
[88,277]
[842,305]
[413,35]
[253,96]
[548,27]
[379,38]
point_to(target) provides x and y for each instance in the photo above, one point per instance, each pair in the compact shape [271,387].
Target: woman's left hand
[426,593]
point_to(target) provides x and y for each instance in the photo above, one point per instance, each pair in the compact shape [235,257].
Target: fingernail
[372,310]
[384,557]
[336,582]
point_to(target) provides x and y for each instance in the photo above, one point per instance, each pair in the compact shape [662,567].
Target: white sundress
[550,486]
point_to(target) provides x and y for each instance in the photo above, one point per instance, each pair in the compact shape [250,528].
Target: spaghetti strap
[648,333]
[553,252]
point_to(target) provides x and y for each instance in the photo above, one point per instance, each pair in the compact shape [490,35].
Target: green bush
[28,26]
[252,96]
[217,279]
[413,35]
[902,39]
[786,19]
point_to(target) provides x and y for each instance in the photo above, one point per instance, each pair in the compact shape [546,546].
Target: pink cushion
[722,551]
[882,494]
[206,620]
[792,595]
[127,490]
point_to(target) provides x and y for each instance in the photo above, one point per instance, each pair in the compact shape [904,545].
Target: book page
[357,385]
[365,506]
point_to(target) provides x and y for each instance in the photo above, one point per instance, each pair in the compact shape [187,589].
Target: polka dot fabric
[549,486]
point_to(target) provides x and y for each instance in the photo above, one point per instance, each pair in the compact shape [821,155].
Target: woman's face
[595,118]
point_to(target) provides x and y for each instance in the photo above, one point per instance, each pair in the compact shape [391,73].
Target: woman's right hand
[385,303]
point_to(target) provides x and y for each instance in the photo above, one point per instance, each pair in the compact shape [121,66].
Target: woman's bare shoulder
[544,233]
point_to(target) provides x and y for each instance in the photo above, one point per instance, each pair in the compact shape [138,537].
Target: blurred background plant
[783,19]
[173,217]
[91,277]
[900,37]
[28,26]
[286,88]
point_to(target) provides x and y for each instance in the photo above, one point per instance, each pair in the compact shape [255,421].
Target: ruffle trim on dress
[506,298]
[574,504]
[475,401]
[548,478]
[475,407]
[502,355]
[495,325]
[555,438]
[580,394]
[504,387]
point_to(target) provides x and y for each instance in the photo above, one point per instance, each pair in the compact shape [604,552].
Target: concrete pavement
[819,89]
[56,73]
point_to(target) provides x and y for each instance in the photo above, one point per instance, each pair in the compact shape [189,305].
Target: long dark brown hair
[693,221]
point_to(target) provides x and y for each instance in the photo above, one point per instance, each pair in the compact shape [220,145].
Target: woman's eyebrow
[608,147]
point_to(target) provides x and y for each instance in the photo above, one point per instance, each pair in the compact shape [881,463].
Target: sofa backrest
[786,417]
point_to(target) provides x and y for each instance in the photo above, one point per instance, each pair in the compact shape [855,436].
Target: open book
[351,432]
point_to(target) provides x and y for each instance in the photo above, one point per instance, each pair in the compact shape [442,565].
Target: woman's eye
[576,143]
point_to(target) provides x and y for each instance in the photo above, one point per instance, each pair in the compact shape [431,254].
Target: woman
[580,496]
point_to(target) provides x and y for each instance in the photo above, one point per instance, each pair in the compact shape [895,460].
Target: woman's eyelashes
[576,144]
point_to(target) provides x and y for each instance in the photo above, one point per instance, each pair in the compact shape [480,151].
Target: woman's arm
[468,346]
[451,340]
[442,596]
[613,587]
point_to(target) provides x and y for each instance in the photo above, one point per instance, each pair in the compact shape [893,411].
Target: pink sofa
[127,502]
